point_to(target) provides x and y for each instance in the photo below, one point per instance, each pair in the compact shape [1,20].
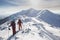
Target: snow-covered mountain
[50,18]
[30,12]
[45,15]
[37,25]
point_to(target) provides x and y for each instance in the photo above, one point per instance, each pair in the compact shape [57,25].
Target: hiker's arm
[10,25]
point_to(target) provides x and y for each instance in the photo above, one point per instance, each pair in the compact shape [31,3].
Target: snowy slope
[50,18]
[30,12]
[33,28]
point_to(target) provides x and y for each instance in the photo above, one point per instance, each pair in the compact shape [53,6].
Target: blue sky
[13,2]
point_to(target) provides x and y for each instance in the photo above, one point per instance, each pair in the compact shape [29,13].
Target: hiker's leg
[14,31]
[19,27]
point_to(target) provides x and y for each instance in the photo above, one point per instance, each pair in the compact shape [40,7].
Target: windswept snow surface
[32,29]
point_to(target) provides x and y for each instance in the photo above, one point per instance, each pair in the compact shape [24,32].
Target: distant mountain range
[45,15]
[29,12]
[50,18]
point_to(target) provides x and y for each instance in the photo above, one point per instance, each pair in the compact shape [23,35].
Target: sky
[7,7]
[31,3]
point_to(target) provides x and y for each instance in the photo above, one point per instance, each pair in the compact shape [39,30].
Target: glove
[8,28]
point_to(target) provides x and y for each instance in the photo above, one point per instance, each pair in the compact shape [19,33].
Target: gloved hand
[8,28]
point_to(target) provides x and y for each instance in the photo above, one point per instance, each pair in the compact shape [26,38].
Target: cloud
[5,3]
[32,3]
[13,2]
[49,3]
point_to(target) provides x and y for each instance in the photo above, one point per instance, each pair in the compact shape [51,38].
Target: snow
[32,29]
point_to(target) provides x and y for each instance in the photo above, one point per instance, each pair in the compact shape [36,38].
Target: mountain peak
[47,11]
[31,9]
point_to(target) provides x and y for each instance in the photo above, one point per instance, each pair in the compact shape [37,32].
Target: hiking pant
[14,30]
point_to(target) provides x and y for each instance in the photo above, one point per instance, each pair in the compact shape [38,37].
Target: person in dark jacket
[13,25]
[20,24]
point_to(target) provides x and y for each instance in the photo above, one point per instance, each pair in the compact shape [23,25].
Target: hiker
[13,27]
[19,24]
